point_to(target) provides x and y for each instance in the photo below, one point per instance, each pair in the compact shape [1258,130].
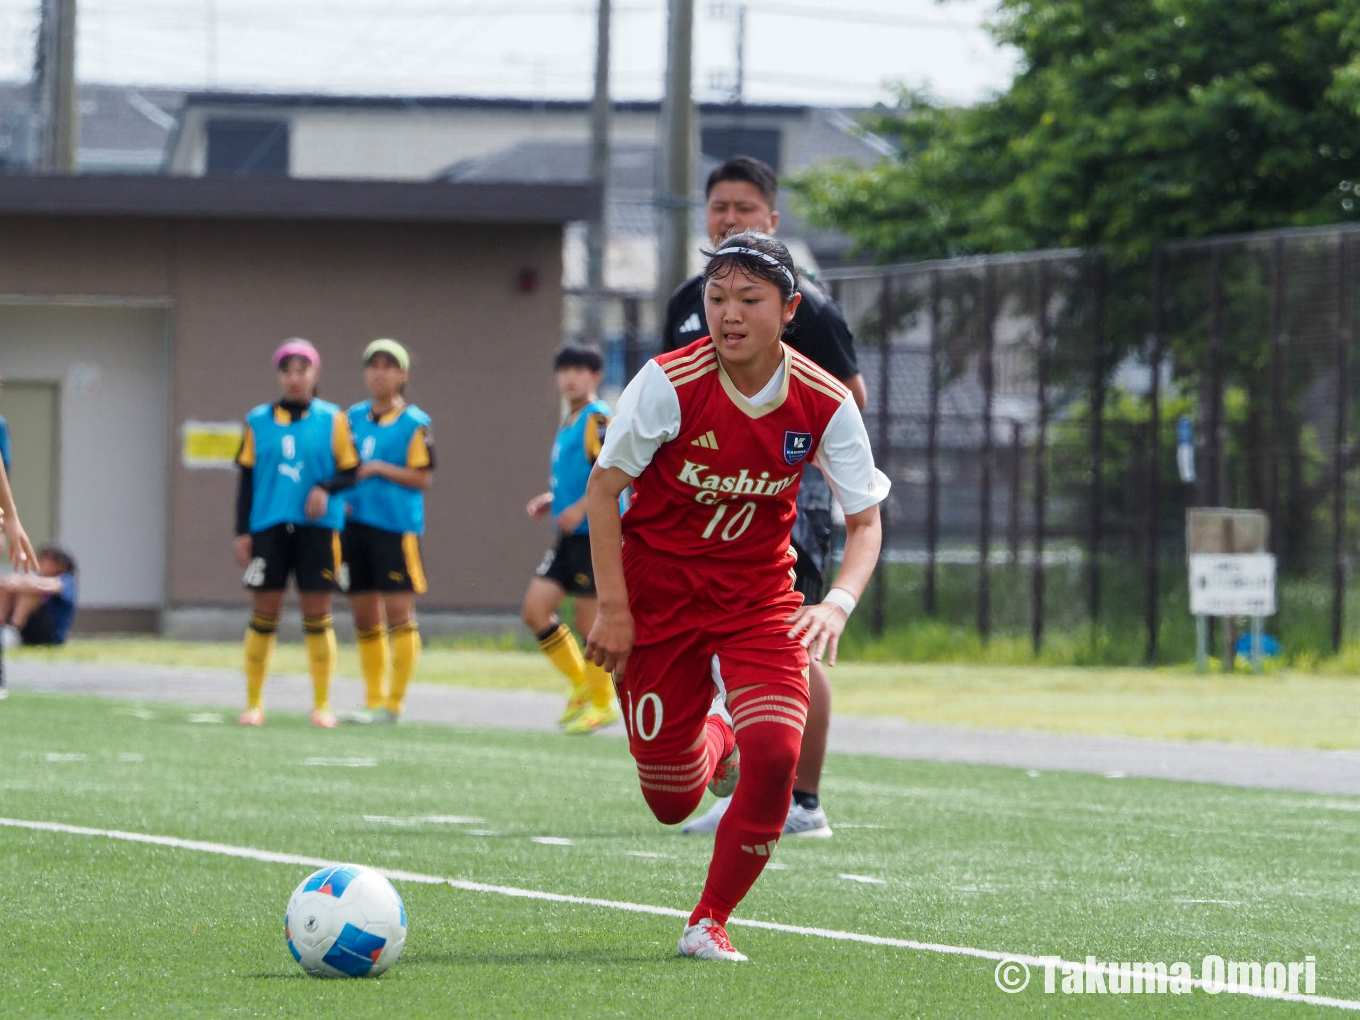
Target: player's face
[383,377]
[297,379]
[49,566]
[746,315]
[734,206]
[577,383]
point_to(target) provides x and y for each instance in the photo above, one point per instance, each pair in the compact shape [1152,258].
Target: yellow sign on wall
[209,444]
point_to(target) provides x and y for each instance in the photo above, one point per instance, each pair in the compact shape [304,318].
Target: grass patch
[964,855]
[1281,709]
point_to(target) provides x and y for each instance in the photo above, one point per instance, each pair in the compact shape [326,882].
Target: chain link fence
[1029,410]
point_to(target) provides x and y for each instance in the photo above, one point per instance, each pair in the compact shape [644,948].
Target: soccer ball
[345,921]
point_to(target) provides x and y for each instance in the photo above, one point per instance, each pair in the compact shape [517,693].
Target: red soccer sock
[769,726]
[673,789]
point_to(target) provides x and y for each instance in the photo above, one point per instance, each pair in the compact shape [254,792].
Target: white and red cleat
[324,718]
[707,940]
[725,776]
[252,717]
[728,769]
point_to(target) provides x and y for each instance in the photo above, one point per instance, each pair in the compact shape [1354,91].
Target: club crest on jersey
[796,445]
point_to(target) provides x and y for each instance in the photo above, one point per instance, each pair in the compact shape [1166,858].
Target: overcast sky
[840,52]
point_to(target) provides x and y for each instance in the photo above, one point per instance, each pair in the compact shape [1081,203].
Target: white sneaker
[707,940]
[802,822]
[707,823]
[9,637]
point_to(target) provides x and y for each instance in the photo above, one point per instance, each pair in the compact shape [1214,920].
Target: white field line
[274,857]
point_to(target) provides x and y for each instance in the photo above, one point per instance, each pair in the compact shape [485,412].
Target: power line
[842,84]
[273,14]
[863,17]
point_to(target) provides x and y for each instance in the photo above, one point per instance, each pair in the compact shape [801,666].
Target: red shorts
[692,623]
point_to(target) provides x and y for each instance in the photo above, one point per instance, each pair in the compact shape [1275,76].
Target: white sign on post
[1236,584]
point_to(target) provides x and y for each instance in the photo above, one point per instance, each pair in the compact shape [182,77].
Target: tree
[1129,122]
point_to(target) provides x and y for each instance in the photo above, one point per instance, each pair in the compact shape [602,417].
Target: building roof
[123,128]
[634,170]
[334,100]
[294,199]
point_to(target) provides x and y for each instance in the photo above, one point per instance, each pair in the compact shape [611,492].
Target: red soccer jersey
[724,489]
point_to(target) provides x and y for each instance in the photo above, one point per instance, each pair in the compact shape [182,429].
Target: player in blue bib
[566,569]
[296,454]
[381,568]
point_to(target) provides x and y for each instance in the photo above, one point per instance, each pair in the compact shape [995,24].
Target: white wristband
[842,598]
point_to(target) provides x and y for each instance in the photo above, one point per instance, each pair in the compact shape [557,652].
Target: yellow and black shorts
[378,560]
[309,553]
[568,566]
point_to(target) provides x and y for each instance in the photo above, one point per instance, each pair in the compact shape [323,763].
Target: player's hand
[539,507]
[370,469]
[317,501]
[22,556]
[243,547]
[611,639]
[571,518]
[821,627]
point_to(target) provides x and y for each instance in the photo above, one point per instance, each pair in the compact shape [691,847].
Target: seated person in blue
[41,606]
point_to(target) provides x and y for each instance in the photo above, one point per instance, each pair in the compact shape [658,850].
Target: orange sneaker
[324,718]
[252,717]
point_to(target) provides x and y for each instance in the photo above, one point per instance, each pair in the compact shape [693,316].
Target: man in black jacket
[742,194]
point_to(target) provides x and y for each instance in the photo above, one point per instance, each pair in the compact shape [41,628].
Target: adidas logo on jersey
[692,324]
[708,441]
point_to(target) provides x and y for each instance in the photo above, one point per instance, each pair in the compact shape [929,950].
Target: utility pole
[739,94]
[210,23]
[735,84]
[596,238]
[677,140]
[58,104]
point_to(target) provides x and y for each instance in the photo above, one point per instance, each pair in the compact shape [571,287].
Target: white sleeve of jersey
[847,461]
[648,414]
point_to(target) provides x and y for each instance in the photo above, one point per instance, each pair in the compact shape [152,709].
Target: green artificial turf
[997,859]
[1280,709]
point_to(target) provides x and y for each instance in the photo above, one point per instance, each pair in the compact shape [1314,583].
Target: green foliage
[1129,122]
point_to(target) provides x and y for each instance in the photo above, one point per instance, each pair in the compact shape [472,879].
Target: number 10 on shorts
[634,719]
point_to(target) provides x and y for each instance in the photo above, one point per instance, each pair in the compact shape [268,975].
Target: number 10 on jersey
[736,525]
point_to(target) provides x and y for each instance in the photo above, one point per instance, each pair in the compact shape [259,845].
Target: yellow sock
[405,655]
[600,684]
[373,657]
[259,650]
[321,656]
[559,645]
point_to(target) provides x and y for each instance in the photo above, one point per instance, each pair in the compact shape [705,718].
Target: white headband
[764,257]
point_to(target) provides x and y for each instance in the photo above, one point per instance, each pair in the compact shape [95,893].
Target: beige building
[417,138]
[137,316]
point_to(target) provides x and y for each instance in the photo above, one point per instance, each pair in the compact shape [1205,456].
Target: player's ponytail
[757,256]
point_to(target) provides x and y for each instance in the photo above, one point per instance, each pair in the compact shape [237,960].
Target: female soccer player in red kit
[695,582]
